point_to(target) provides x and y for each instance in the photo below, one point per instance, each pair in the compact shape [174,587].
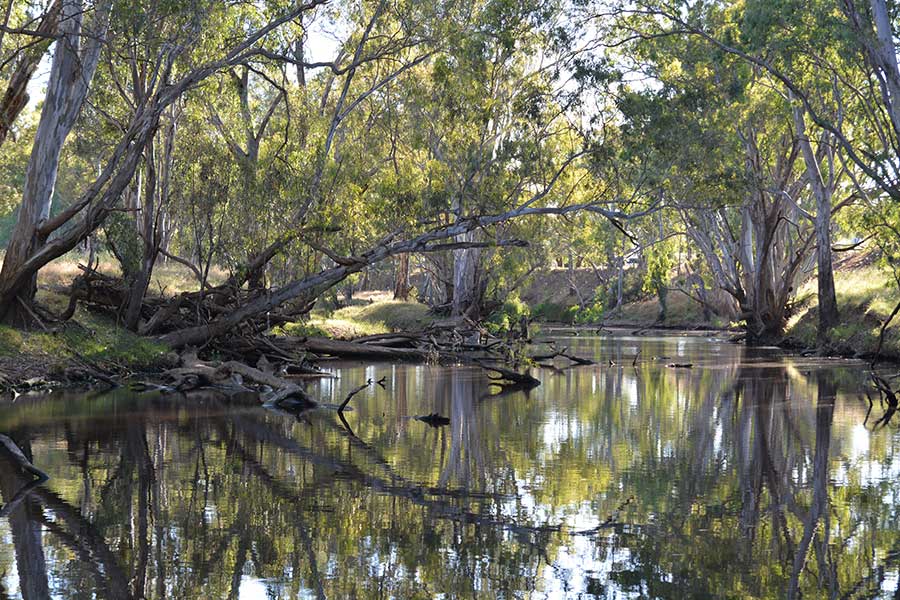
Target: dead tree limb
[20,459]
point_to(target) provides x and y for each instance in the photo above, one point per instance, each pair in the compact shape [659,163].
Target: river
[751,474]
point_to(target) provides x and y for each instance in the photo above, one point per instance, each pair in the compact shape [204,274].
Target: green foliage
[124,242]
[553,312]
[302,329]
[590,314]
[11,341]
[508,316]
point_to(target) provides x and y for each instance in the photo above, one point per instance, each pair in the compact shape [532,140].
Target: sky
[322,45]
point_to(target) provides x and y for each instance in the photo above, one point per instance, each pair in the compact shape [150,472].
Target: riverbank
[866,295]
[92,347]
[89,348]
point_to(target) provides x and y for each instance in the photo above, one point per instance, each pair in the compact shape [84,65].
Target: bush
[508,316]
[554,313]
[593,313]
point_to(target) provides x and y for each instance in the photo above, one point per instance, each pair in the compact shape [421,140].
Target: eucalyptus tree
[749,125]
[836,60]
[24,39]
[718,143]
[177,66]
[75,59]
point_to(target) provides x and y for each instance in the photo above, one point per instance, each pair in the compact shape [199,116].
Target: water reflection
[748,475]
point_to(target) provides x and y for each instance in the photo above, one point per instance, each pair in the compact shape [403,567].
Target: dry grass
[681,311]
[169,278]
[375,313]
[866,296]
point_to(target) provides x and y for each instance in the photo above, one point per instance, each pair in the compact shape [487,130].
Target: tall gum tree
[81,35]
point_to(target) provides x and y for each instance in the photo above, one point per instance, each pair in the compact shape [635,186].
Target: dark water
[748,475]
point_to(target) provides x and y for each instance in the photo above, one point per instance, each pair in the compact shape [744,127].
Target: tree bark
[74,61]
[822,191]
[401,285]
[466,278]
[885,56]
[140,281]
[16,96]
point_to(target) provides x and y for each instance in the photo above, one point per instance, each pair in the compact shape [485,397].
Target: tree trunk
[147,231]
[466,278]
[620,281]
[74,62]
[822,191]
[16,96]
[885,56]
[401,280]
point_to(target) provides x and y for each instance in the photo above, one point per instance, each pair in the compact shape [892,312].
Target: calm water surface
[750,475]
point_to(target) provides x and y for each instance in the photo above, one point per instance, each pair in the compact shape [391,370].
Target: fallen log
[195,373]
[389,339]
[345,349]
[511,378]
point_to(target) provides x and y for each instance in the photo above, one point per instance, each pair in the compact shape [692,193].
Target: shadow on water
[748,475]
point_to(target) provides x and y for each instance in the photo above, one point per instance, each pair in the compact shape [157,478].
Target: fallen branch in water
[512,378]
[887,395]
[358,390]
[562,354]
[20,459]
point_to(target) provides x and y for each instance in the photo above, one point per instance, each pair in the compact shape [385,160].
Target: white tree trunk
[74,62]
[886,58]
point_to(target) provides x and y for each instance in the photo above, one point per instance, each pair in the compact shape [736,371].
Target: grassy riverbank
[369,314]
[86,342]
[866,295]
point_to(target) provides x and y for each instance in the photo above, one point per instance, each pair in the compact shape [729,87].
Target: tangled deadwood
[233,376]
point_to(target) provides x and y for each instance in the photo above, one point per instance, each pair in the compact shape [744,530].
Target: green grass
[866,296]
[93,337]
[367,319]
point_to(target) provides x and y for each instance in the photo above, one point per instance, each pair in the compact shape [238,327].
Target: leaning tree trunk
[16,96]
[74,62]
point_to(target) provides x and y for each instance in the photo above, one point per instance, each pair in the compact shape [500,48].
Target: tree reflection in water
[746,476]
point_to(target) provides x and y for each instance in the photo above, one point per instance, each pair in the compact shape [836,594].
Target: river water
[750,475]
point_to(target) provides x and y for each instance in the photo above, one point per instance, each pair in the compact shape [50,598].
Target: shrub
[590,314]
[508,316]
[552,312]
